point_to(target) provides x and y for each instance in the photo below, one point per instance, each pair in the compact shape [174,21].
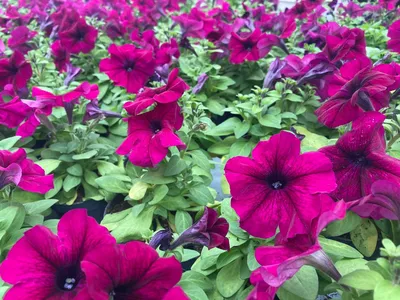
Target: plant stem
[393,139]
[395,232]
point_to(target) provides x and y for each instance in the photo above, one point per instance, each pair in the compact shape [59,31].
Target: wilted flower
[209,231]
[15,70]
[130,271]
[358,88]
[278,186]
[81,37]
[162,239]
[93,111]
[23,172]
[171,92]
[282,261]
[382,203]
[359,158]
[128,66]
[44,265]
[151,134]
[274,73]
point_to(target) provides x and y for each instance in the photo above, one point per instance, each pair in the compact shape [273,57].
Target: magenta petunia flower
[167,51]
[195,24]
[176,293]
[128,66]
[282,261]
[394,35]
[42,265]
[19,40]
[359,158]
[278,186]
[243,46]
[168,93]
[262,290]
[60,55]
[382,203]
[131,271]
[13,112]
[392,69]
[209,231]
[282,25]
[81,37]
[151,134]
[25,173]
[359,87]
[15,70]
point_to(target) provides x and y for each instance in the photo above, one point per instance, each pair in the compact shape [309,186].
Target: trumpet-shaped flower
[278,187]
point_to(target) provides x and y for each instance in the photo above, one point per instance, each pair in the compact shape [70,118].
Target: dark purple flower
[93,111]
[162,238]
[81,37]
[15,70]
[209,231]
[200,83]
[274,73]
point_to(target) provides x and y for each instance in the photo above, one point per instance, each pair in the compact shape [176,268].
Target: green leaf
[365,237]
[241,129]
[75,170]
[106,168]
[270,120]
[48,165]
[346,266]
[220,82]
[8,143]
[58,183]
[189,254]
[200,159]
[201,195]
[225,128]
[385,290]
[138,190]
[175,166]
[112,183]
[228,281]
[12,217]
[70,182]
[37,207]
[157,177]
[335,248]
[193,291]
[228,257]
[312,141]
[183,221]
[196,278]
[303,284]
[241,148]
[159,193]
[362,279]
[346,225]
[85,155]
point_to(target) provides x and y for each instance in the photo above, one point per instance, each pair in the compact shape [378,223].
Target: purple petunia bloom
[81,37]
[19,40]
[151,134]
[359,158]
[15,70]
[42,265]
[131,271]
[278,187]
[128,66]
[24,173]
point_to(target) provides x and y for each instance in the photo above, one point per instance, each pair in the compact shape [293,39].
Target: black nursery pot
[94,208]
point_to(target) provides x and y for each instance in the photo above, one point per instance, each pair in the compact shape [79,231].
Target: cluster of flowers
[83,261]
[302,193]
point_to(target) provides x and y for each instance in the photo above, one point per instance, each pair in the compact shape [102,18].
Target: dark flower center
[120,292]
[13,69]
[80,35]
[68,278]
[276,182]
[155,126]
[248,45]
[359,160]
[129,66]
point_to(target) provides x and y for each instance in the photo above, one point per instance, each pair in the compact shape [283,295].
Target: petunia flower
[393,70]
[15,70]
[61,55]
[131,271]
[167,52]
[262,290]
[42,265]
[282,25]
[278,187]
[151,134]
[382,203]
[274,73]
[209,231]
[394,35]
[12,112]
[281,262]
[171,92]
[176,293]
[345,44]
[195,23]
[23,172]
[128,66]
[19,39]
[201,81]
[359,158]
[93,111]
[162,239]
[81,37]
[359,87]
[243,46]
